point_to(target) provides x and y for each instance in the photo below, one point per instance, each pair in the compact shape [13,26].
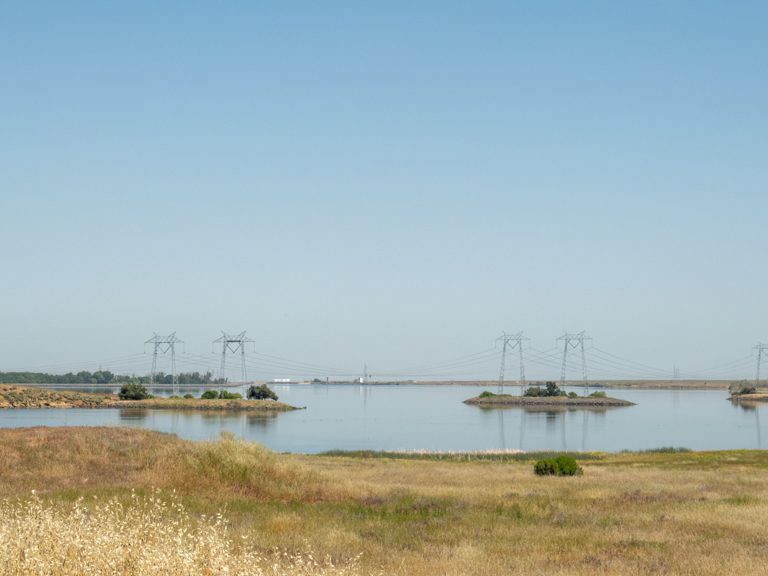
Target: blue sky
[389,182]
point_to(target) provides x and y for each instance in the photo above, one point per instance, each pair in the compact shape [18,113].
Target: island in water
[547,396]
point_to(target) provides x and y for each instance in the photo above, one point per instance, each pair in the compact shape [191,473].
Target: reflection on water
[552,409]
[748,406]
[553,418]
[753,408]
[133,414]
[435,418]
[198,424]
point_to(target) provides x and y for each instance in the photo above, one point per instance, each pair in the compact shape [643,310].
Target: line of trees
[105,377]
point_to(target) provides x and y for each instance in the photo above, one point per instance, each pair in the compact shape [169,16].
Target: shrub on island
[223,395]
[262,392]
[133,391]
[550,390]
[741,387]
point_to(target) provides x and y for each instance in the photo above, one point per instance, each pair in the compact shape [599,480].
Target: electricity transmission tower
[574,341]
[163,345]
[762,350]
[510,342]
[232,343]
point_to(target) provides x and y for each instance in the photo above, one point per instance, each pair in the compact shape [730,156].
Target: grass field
[154,500]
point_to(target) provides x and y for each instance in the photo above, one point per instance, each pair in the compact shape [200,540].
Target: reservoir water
[421,417]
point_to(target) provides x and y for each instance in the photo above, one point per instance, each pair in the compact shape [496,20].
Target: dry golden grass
[147,536]
[629,514]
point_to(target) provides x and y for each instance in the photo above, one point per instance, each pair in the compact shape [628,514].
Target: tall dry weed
[147,536]
[233,466]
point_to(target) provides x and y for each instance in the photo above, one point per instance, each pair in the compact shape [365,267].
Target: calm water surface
[414,417]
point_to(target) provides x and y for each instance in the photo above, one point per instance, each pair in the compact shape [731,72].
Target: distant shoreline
[512,385]
[637,384]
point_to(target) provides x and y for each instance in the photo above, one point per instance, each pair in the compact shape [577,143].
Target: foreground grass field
[648,513]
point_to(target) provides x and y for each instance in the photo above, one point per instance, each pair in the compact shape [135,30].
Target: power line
[627,361]
[483,354]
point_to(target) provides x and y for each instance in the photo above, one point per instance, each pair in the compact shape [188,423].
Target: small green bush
[487,394]
[262,392]
[188,396]
[572,395]
[133,391]
[549,390]
[552,389]
[223,395]
[598,394]
[559,466]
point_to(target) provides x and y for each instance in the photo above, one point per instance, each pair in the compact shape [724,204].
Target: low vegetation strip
[471,456]
[21,397]
[488,399]
[661,512]
[201,404]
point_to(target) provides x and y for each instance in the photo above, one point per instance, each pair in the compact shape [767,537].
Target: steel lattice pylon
[510,342]
[762,350]
[233,343]
[164,345]
[573,341]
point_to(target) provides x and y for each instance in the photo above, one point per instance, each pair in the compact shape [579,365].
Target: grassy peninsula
[129,501]
[746,393]
[31,397]
[759,396]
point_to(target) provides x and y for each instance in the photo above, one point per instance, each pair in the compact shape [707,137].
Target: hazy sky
[392,183]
